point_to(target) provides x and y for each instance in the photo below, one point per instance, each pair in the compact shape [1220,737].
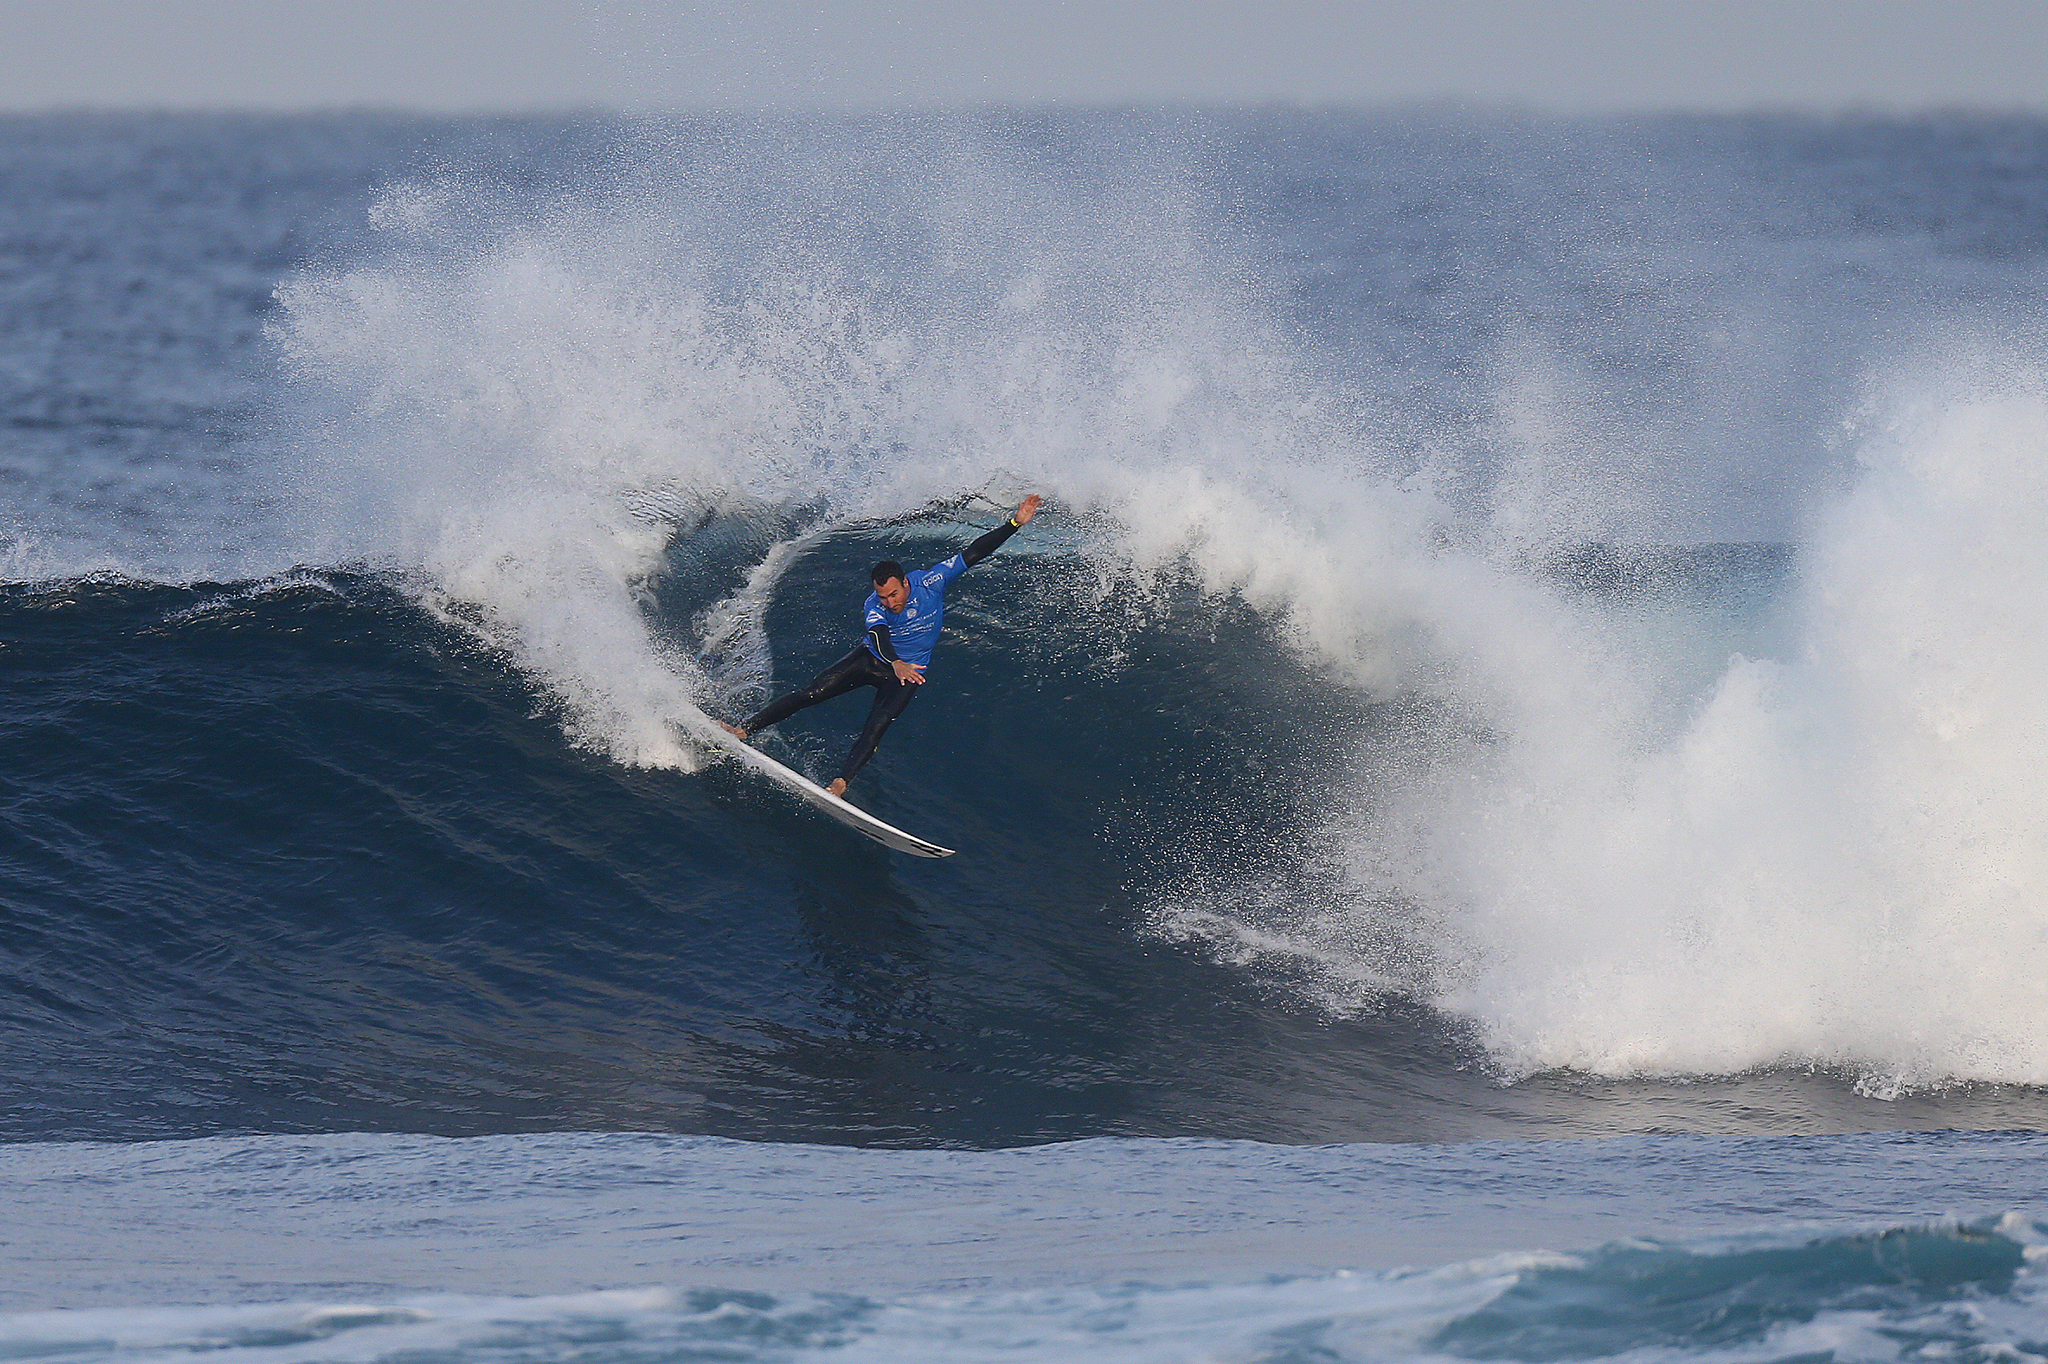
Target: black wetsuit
[869,663]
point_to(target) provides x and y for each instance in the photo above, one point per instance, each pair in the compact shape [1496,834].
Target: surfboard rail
[852,816]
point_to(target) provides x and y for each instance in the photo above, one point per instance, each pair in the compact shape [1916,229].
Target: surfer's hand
[1028,508]
[908,672]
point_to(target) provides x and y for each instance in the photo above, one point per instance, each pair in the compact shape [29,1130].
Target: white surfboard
[851,816]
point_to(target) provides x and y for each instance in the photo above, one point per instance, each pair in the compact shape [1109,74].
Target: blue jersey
[914,631]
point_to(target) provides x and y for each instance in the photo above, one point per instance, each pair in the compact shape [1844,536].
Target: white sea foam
[1839,859]
[1834,857]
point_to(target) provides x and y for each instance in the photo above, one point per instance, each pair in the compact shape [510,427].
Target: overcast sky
[551,54]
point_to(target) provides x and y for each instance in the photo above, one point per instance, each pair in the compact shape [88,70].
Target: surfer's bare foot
[733,730]
[838,786]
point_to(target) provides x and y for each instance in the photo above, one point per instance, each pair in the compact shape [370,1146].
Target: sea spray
[494,403]
[1832,858]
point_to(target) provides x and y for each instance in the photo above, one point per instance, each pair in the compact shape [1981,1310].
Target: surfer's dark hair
[884,571]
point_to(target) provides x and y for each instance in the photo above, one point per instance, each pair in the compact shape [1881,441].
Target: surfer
[902,616]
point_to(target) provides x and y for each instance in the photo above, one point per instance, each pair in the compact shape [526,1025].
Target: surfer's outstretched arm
[987,544]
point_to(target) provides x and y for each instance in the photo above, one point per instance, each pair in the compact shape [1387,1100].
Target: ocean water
[1499,806]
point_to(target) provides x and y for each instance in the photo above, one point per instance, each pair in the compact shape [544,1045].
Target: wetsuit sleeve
[878,635]
[987,544]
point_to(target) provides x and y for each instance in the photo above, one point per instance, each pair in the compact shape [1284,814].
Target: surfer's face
[893,593]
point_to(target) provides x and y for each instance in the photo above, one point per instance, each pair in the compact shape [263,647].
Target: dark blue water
[319,863]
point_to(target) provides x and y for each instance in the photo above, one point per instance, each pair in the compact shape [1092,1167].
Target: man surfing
[902,616]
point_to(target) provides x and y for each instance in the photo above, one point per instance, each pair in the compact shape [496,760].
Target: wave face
[1538,629]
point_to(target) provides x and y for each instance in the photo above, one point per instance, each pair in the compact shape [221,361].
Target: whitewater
[1534,649]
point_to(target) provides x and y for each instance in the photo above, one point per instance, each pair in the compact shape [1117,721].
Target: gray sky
[544,54]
